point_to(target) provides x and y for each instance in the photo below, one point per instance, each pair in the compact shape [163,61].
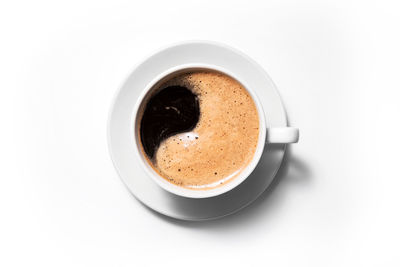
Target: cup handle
[282,135]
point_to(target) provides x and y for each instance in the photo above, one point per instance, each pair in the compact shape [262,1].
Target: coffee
[199,129]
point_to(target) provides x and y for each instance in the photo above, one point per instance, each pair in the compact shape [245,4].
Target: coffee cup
[283,135]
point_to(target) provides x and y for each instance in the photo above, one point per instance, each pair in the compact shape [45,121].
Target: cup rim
[181,191]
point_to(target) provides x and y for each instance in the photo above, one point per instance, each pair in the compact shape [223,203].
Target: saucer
[121,146]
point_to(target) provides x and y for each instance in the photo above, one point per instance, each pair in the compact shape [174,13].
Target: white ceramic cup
[266,135]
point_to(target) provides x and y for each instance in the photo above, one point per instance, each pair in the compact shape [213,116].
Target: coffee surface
[203,129]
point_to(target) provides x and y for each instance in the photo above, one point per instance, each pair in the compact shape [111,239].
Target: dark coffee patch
[175,109]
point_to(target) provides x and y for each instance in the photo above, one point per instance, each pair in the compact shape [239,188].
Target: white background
[336,203]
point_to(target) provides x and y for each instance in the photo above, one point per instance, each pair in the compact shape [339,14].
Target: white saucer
[121,148]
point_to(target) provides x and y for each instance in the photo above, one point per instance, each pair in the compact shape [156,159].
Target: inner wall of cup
[156,87]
